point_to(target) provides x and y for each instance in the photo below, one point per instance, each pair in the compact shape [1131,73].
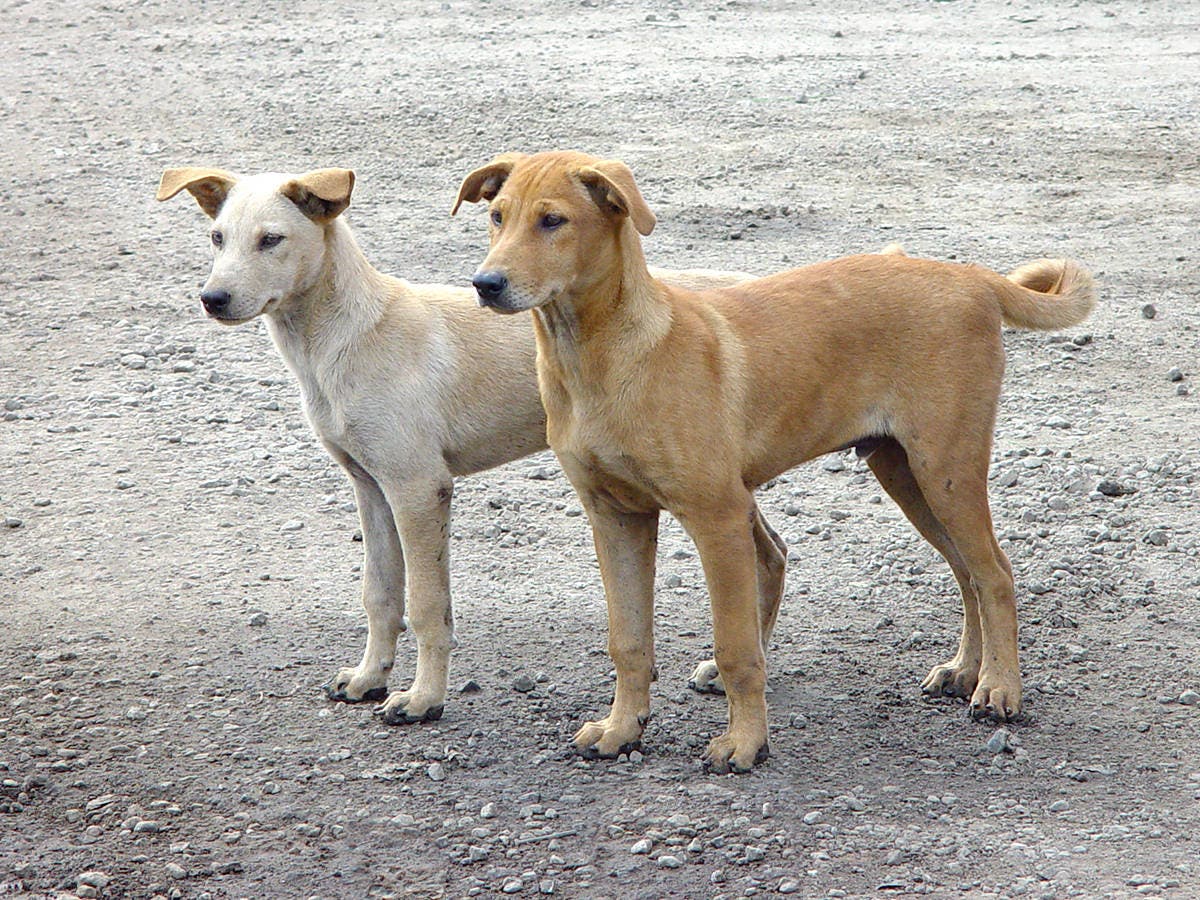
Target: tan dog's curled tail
[1047,294]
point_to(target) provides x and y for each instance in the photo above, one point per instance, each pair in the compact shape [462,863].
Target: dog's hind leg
[953,480]
[625,545]
[772,567]
[382,594]
[422,513]
[958,677]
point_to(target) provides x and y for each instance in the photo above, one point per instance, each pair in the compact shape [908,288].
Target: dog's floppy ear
[322,194]
[614,190]
[485,183]
[208,186]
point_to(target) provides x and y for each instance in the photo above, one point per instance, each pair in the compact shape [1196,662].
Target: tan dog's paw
[952,679]
[409,706]
[706,679]
[735,753]
[997,697]
[353,686]
[609,738]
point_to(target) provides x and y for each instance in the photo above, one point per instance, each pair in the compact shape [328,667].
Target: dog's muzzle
[216,302]
[491,287]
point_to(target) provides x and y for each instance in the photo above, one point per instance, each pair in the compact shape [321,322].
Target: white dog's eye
[267,241]
[217,238]
[497,218]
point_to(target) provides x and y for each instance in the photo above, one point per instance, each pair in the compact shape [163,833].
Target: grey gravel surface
[178,570]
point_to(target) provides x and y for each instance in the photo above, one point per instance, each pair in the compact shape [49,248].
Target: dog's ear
[485,183]
[322,194]
[208,186]
[612,187]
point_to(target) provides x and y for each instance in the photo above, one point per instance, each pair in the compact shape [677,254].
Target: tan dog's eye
[497,218]
[217,238]
[550,221]
[267,241]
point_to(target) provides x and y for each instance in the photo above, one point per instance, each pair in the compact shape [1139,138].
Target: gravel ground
[177,559]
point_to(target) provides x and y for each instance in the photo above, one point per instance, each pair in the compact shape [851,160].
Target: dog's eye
[267,241]
[497,218]
[217,238]
[550,221]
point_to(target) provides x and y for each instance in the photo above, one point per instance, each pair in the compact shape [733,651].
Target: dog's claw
[372,695]
[398,715]
[593,752]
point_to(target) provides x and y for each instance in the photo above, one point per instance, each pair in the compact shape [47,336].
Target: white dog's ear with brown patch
[614,190]
[322,194]
[485,182]
[208,186]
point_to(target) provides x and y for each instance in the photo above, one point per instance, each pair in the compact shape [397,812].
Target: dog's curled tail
[1047,294]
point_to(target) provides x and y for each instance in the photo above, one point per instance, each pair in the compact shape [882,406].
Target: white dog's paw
[706,679]
[411,706]
[353,686]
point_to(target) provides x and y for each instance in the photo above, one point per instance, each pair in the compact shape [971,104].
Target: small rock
[135,714]
[1156,537]
[258,618]
[1059,806]
[307,829]
[146,826]
[524,684]
[833,464]
[1149,311]
[488,811]
[894,858]
[1174,374]
[788,886]
[291,525]
[642,847]
[403,820]
[546,886]
[12,522]
[813,817]
[999,741]
[512,886]
[673,581]
[1110,488]
[94,878]
[1189,698]
[133,361]
[437,772]
[470,687]
[669,862]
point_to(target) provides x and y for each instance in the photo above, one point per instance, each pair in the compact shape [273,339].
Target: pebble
[1189,698]
[403,820]
[12,522]
[1149,311]
[788,886]
[1156,537]
[437,772]
[94,878]
[642,847]
[146,826]
[470,687]
[1059,806]
[1110,488]
[813,817]
[999,741]
[307,829]
[175,870]
[524,684]
[258,618]
[512,886]
[291,525]
[488,811]
[546,885]
[669,862]
[1174,374]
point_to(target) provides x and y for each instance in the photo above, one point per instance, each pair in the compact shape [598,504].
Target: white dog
[406,385]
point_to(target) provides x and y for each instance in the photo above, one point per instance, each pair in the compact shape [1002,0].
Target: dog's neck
[594,340]
[346,301]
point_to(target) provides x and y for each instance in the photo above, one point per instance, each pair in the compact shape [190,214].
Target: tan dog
[407,385]
[664,398]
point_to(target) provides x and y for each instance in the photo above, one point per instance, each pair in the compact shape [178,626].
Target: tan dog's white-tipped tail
[1047,294]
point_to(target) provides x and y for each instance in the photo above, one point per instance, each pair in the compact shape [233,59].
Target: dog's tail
[1047,294]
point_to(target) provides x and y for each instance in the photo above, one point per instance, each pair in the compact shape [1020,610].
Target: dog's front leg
[382,596]
[771,552]
[422,513]
[725,539]
[625,545]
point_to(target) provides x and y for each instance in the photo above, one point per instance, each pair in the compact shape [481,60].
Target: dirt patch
[178,570]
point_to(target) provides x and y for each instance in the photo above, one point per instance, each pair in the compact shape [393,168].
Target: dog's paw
[609,738]
[734,753]
[408,707]
[351,686]
[706,679]
[998,697]
[952,679]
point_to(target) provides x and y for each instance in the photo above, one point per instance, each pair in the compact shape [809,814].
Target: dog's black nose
[490,286]
[215,302]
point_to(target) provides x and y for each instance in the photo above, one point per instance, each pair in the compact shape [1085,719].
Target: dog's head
[556,223]
[268,233]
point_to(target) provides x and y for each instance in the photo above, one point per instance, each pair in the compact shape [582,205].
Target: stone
[1189,698]
[1112,488]
[523,683]
[488,811]
[1156,537]
[642,847]
[1174,374]
[788,886]
[437,772]
[291,525]
[813,817]
[669,862]
[999,742]
[257,619]
[1149,311]
[94,878]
